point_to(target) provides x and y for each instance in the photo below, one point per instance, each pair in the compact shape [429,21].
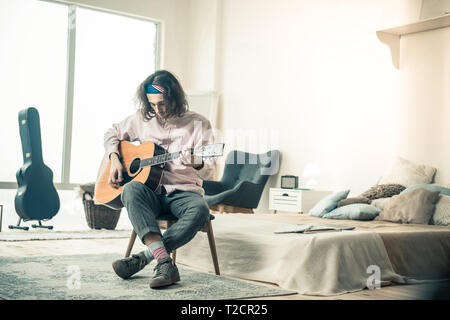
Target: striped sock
[158,250]
[148,255]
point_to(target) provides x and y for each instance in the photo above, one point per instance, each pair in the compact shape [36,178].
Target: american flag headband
[152,88]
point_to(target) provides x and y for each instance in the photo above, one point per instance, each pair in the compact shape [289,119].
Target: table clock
[289,182]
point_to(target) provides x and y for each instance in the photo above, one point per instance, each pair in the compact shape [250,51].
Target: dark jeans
[144,207]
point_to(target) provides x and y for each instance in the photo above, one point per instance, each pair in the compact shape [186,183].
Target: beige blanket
[416,251]
[326,263]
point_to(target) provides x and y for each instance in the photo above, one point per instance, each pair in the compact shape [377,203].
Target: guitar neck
[159,159]
[30,134]
[211,150]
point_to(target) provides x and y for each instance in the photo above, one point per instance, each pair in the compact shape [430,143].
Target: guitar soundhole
[135,166]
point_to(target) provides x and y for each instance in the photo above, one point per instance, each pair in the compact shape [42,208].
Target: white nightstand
[294,200]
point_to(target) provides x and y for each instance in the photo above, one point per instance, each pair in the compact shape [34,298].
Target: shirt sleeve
[124,130]
[209,163]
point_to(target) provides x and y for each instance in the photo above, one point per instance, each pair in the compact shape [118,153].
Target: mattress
[416,251]
[324,263]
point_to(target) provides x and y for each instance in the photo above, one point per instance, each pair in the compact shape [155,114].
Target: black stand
[18,226]
[41,226]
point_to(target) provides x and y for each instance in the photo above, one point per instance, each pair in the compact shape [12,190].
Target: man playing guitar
[164,119]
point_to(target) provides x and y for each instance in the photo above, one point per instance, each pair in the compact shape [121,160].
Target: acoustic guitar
[36,197]
[143,163]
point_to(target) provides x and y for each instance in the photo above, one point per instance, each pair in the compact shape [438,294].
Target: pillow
[431,187]
[356,211]
[441,214]
[328,203]
[380,203]
[383,191]
[408,173]
[413,207]
[348,201]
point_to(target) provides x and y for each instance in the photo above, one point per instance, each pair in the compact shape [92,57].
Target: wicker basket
[99,216]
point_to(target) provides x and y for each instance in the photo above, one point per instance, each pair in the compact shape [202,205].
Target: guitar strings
[159,159]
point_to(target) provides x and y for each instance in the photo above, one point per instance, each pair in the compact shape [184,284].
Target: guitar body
[36,197]
[131,158]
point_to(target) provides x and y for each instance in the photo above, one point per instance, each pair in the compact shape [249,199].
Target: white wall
[433,8]
[425,99]
[202,30]
[315,72]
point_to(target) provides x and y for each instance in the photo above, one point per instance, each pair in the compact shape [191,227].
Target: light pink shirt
[189,130]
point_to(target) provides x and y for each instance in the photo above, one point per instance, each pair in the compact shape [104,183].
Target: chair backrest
[251,167]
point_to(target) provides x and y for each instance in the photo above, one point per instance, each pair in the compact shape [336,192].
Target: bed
[375,253]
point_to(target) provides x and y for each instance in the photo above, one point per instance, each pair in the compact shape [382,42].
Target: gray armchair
[244,178]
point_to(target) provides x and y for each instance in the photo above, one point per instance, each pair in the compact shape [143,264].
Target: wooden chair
[165,224]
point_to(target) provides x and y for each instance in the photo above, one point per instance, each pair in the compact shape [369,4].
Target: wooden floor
[92,246]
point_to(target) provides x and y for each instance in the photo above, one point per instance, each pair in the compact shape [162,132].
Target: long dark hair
[174,96]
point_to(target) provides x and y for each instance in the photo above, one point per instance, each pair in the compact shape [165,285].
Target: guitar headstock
[209,150]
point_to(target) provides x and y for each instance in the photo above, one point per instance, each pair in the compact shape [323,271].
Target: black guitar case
[36,197]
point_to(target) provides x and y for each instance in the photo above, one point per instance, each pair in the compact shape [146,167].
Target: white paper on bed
[327,263]
[310,227]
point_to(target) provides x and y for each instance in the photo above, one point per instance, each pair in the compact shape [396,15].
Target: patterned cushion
[383,191]
[441,214]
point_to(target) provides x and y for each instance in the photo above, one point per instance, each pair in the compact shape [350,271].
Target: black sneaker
[125,268]
[165,273]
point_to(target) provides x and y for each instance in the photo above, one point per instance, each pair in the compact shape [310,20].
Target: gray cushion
[328,203]
[380,203]
[408,173]
[431,187]
[441,214]
[413,207]
[355,211]
[348,201]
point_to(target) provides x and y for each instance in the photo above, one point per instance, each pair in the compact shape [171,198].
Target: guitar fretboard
[160,159]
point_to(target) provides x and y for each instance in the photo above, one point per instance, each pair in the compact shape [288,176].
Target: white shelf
[391,37]
[420,26]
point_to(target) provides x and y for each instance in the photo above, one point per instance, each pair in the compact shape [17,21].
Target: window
[33,46]
[80,68]
[114,54]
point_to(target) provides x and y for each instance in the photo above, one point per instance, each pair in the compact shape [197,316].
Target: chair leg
[212,247]
[174,256]
[130,243]
[174,252]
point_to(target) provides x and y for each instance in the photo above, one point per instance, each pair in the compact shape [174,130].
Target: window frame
[65,183]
